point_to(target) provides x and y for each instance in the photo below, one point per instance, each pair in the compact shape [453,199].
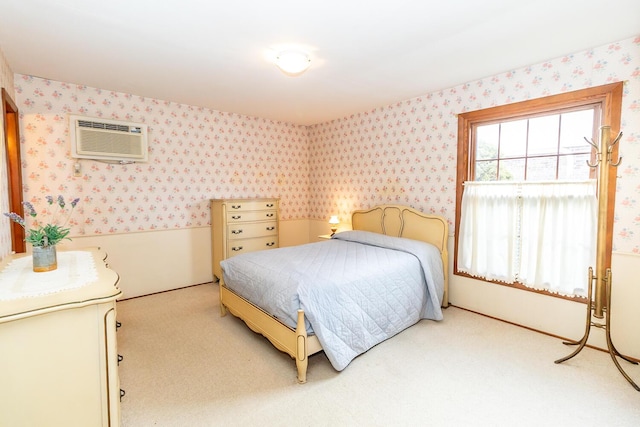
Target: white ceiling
[365,53]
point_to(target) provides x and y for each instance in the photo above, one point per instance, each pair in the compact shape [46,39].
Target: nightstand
[325,236]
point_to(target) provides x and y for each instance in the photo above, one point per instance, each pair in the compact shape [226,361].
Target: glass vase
[44,258]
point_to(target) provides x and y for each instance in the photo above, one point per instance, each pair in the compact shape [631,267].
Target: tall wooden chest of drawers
[242,225]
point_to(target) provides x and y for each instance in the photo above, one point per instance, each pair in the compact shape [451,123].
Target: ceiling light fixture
[293,62]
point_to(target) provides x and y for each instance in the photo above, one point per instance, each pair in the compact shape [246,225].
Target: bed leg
[445,299]
[223,309]
[301,348]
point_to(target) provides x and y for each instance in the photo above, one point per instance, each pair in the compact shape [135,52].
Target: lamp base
[333,230]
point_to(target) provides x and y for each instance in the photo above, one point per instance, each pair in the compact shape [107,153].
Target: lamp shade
[293,62]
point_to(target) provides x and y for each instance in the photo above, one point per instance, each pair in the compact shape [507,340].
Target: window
[540,140]
[537,148]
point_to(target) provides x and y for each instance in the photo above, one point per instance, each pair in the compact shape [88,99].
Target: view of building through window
[537,148]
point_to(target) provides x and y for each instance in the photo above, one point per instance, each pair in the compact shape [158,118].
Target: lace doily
[75,269]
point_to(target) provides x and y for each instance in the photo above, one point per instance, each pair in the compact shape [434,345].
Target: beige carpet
[184,365]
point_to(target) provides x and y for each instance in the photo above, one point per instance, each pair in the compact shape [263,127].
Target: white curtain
[488,225]
[540,234]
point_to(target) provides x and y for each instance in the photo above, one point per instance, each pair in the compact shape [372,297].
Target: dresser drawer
[241,230]
[250,205]
[241,246]
[244,216]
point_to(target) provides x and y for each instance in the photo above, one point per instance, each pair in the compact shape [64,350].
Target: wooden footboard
[295,343]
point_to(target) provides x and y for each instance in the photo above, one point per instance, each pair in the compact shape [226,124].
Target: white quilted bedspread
[357,289]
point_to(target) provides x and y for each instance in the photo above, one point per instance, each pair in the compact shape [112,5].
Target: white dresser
[242,225]
[58,352]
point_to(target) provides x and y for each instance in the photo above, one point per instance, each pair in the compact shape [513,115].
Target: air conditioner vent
[102,139]
[105,126]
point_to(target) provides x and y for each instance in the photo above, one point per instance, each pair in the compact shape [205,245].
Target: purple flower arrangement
[45,234]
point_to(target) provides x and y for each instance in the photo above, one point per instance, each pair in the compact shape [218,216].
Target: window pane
[574,167]
[512,170]
[543,135]
[541,168]
[486,170]
[531,148]
[575,126]
[513,139]
[487,142]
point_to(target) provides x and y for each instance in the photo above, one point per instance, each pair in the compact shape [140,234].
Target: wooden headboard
[403,221]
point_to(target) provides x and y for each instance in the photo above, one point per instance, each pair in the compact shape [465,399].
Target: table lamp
[334,221]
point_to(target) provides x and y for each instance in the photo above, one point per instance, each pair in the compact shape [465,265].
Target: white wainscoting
[155,261]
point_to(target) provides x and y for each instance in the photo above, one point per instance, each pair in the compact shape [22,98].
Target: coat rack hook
[591,143]
[610,150]
[598,156]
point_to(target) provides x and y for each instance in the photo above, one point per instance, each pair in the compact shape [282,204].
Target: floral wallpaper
[401,153]
[406,152]
[195,154]
[6,82]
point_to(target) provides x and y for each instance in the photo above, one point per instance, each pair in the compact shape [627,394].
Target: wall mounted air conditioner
[109,140]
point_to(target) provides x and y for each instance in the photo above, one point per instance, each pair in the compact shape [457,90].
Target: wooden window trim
[610,99]
[10,116]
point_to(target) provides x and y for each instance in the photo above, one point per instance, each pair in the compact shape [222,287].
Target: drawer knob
[236,231]
[269,215]
[236,216]
[236,206]
[271,243]
[271,228]
[269,205]
[236,248]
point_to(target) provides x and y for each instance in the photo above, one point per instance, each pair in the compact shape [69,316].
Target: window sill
[522,287]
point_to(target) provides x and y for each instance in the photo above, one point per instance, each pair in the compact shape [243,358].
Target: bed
[401,229]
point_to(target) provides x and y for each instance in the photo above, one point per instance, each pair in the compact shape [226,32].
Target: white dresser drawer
[244,216]
[235,217]
[252,229]
[250,205]
[241,246]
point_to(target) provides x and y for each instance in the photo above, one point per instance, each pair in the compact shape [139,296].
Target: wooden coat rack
[599,306]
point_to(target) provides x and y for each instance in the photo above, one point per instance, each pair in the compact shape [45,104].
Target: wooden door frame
[11,117]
